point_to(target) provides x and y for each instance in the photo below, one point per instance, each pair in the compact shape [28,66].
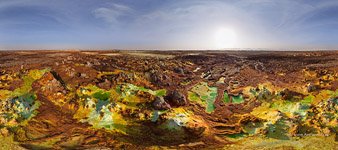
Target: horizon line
[178,49]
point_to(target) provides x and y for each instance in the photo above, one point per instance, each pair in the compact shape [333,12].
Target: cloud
[168,23]
[112,14]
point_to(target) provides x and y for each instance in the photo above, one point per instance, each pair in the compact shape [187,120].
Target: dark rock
[154,78]
[106,84]
[122,77]
[160,104]
[159,78]
[50,83]
[291,95]
[176,98]
[58,77]
[179,70]
[264,94]
[311,87]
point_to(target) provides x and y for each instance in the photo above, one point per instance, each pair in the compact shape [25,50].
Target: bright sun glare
[225,38]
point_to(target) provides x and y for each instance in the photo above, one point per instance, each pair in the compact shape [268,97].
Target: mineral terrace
[168,99]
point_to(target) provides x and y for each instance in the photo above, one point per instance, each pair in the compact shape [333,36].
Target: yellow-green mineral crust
[172,100]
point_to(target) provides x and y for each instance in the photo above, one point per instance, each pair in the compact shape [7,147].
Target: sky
[168,24]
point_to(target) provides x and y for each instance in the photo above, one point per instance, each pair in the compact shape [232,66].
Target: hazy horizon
[169,24]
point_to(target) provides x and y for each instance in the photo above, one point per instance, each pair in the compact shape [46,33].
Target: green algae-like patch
[156,114]
[226,98]
[102,99]
[261,93]
[236,136]
[24,107]
[176,119]
[307,100]
[98,109]
[131,88]
[279,130]
[193,96]
[161,92]
[237,99]
[102,108]
[22,101]
[252,127]
[234,99]
[204,95]
[105,118]
[28,80]
[278,113]
[101,95]
[291,109]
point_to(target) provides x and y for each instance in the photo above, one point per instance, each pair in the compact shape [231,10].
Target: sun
[225,38]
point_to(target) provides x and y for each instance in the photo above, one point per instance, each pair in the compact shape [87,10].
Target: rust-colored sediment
[167,99]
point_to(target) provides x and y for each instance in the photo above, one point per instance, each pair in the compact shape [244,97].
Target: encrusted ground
[168,99]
